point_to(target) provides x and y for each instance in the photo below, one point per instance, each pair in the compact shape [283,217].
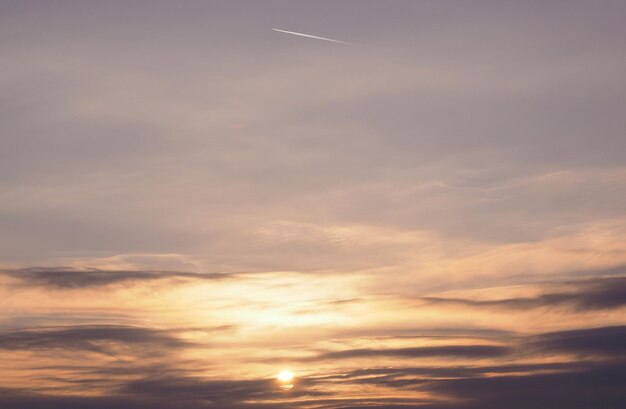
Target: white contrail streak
[315,37]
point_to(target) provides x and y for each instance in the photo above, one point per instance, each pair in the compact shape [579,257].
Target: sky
[427,214]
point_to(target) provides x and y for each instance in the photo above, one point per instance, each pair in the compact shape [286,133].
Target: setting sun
[285,376]
[285,380]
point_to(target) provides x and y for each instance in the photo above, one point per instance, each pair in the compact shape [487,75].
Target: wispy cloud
[69,278]
[459,351]
[94,338]
[603,341]
[593,294]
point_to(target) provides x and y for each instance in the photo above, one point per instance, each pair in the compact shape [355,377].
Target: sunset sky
[430,213]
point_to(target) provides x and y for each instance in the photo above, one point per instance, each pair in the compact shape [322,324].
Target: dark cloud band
[597,294]
[68,278]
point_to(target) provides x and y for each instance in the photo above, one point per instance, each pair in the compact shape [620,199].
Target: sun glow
[285,376]
[285,380]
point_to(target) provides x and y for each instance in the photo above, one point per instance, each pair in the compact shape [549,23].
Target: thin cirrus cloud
[539,390]
[68,279]
[452,351]
[593,294]
[469,384]
[92,338]
[603,341]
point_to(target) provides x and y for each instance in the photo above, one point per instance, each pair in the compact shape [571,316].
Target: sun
[285,380]
[285,376]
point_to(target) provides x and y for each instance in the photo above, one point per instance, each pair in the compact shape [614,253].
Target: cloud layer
[192,203]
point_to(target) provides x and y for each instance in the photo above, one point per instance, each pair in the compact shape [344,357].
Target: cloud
[161,386]
[216,391]
[578,386]
[606,341]
[461,351]
[544,386]
[603,341]
[94,141]
[426,372]
[18,399]
[70,278]
[23,400]
[572,384]
[595,294]
[92,338]
[595,386]
[472,145]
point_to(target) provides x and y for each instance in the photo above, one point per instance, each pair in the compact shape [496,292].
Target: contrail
[315,37]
